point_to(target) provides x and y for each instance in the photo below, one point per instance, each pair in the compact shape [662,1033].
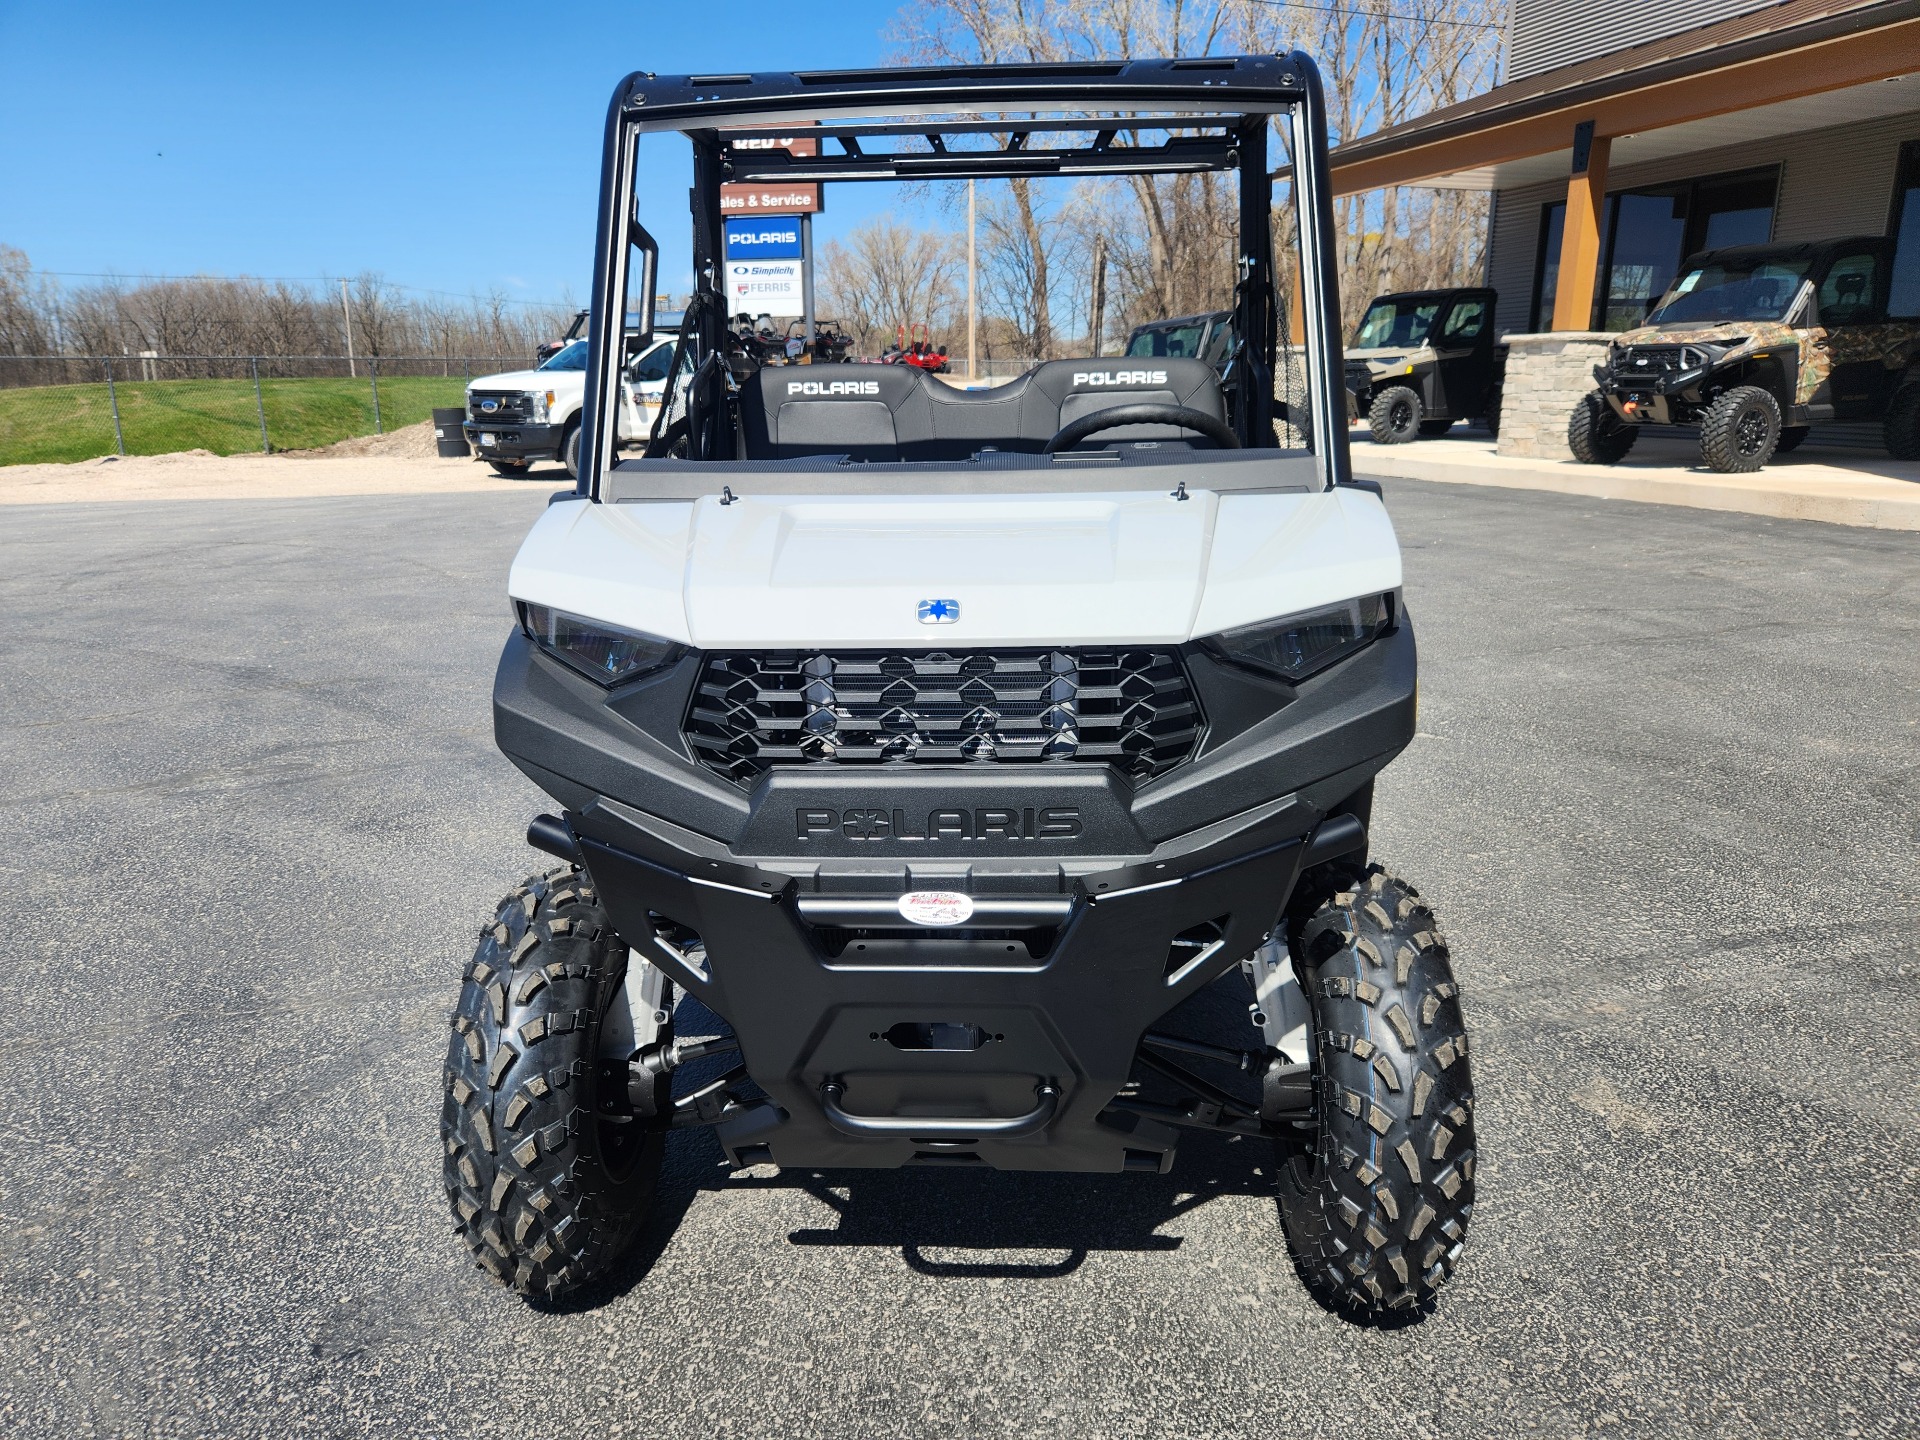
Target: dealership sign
[769,199]
[774,238]
[765,287]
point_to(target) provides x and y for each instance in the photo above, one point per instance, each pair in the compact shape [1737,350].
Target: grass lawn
[75,422]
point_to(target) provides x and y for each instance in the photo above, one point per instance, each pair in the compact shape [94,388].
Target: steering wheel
[1145,413]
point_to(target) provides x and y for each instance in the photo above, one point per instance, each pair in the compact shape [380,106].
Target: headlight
[1301,645]
[602,652]
[540,402]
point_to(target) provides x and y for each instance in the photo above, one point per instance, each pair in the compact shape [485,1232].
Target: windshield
[1175,340]
[1753,289]
[1402,322]
[573,357]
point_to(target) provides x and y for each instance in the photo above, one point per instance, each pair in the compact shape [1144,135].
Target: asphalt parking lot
[1666,800]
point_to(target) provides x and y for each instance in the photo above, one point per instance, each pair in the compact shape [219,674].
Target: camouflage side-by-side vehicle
[1423,359]
[1755,343]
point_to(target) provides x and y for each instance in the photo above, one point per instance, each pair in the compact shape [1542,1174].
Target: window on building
[1546,266]
[1904,226]
[1647,233]
[1731,210]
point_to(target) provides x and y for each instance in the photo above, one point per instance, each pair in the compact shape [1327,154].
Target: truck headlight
[1301,645]
[602,652]
[542,402]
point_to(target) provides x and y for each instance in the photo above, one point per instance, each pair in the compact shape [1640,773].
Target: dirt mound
[409,442]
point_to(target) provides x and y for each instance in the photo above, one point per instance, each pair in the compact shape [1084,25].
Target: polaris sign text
[769,239]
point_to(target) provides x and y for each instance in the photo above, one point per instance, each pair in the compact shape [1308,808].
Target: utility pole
[973,363]
[806,281]
[1097,321]
[347,309]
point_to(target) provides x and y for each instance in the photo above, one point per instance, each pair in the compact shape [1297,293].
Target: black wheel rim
[1400,416]
[1750,431]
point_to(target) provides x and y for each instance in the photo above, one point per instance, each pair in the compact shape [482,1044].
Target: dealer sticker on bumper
[936,907]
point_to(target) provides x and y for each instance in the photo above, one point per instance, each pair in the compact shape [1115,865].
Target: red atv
[916,350]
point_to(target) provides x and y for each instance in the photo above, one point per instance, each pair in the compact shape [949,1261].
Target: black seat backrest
[857,410]
[1072,389]
[898,412]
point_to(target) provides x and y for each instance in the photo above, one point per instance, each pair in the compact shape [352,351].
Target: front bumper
[876,1052]
[1069,959]
[513,441]
[1668,397]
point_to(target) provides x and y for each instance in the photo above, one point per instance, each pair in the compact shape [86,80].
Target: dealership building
[1630,134]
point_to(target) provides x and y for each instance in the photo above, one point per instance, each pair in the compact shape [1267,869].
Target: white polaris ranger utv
[941,742]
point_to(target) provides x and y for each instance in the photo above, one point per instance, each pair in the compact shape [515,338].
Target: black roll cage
[895,125]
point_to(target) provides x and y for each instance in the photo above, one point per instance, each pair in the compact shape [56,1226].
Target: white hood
[519,380]
[792,572]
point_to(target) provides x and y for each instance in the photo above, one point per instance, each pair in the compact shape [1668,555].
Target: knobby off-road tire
[1596,435]
[1394,416]
[1377,1212]
[548,1171]
[1902,426]
[1740,430]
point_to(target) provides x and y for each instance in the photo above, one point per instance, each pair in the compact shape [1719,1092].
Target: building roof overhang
[1782,53]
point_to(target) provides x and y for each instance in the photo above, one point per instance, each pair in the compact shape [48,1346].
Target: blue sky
[450,146]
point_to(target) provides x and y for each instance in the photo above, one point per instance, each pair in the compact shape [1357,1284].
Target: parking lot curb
[1806,488]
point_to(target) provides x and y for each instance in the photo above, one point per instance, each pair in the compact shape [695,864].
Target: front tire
[512,469]
[547,1168]
[1740,430]
[1394,416]
[1596,435]
[570,451]
[1377,1212]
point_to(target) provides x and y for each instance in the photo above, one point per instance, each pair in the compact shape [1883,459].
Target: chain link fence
[66,408]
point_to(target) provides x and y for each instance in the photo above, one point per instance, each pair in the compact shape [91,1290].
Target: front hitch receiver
[915,1127]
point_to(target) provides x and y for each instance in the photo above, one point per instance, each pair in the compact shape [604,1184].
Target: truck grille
[1658,359]
[1132,709]
[510,406]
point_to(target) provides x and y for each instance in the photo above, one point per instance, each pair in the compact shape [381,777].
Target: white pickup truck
[521,416]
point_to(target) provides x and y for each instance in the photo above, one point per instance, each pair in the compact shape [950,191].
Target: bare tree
[1384,61]
[887,276]
[25,327]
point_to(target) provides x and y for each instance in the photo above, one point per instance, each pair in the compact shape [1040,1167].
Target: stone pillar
[1546,376]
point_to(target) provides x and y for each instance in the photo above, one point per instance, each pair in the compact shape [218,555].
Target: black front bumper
[1070,956]
[513,441]
[877,1053]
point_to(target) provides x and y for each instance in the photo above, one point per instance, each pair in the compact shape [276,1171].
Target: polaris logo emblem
[1057,822]
[833,387]
[939,612]
[1120,377]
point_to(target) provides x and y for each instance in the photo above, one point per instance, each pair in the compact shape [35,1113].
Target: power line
[1352,13]
[291,280]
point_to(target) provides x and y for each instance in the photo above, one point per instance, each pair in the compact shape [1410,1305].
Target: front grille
[512,406]
[1132,709]
[1658,359]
